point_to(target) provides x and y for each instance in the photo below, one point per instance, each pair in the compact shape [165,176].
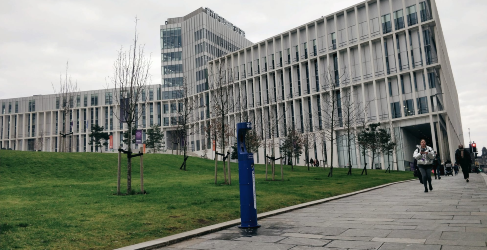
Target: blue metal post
[248,206]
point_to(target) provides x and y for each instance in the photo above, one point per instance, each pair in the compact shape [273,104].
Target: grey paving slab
[451,217]
[408,246]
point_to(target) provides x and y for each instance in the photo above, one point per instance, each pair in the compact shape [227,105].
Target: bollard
[248,205]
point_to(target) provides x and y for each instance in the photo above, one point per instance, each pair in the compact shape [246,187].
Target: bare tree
[308,140]
[222,104]
[130,78]
[185,122]
[65,95]
[271,121]
[40,141]
[331,108]
[292,147]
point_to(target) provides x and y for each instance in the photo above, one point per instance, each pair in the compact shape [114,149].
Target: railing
[333,45]
[383,117]
[431,60]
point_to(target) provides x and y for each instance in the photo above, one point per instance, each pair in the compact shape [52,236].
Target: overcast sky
[38,37]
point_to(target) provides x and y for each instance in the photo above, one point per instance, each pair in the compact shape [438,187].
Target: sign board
[138,136]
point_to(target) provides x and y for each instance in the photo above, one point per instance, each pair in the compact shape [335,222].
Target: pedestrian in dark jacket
[463,158]
[436,166]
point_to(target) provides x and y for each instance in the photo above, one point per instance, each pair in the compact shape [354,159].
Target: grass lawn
[67,201]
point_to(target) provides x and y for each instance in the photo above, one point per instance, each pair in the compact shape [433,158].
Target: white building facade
[394,57]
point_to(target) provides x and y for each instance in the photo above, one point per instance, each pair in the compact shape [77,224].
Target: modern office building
[187,43]
[388,55]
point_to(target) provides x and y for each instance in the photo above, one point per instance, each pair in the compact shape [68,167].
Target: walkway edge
[169,240]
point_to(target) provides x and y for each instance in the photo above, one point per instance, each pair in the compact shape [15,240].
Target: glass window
[422,105]
[171,38]
[408,107]
[108,98]
[94,100]
[431,80]
[16,106]
[172,56]
[333,40]
[412,16]
[166,108]
[386,23]
[85,99]
[151,94]
[424,12]
[398,19]
[396,110]
[57,102]
[172,69]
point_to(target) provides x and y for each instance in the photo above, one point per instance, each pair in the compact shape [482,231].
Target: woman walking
[425,155]
[462,157]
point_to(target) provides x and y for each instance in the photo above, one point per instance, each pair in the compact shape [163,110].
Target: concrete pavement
[451,217]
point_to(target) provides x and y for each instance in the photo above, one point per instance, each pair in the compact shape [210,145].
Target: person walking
[425,155]
[436,166]
[462,157]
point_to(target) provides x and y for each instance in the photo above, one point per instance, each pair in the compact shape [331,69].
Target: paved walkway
[453,216]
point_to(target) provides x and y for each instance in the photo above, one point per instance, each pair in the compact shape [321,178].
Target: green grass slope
[67,201]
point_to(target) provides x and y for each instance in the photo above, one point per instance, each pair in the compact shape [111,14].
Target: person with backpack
[463,158]
[424,156]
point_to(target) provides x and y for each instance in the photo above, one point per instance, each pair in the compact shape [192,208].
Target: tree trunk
[330,174]
[216,166]
[119,170]
[365,166]
[129,174]
[129,162]
[229,172]
[265,159]
[141,173]
[373,158]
